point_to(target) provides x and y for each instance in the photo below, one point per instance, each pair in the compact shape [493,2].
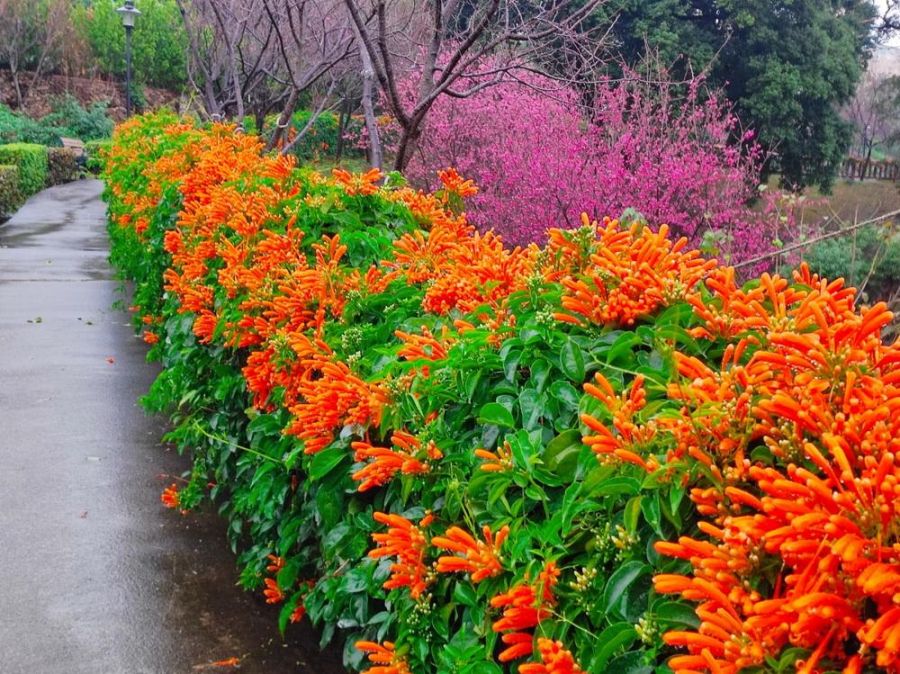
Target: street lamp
[128,14]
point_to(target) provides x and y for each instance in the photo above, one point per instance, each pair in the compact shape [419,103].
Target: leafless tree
[312,38]
[232,53]
[874,111]
[31,37]
[887,22]
[263,56]
[447,42]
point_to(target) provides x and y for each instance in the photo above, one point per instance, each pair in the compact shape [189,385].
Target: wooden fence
[858,169]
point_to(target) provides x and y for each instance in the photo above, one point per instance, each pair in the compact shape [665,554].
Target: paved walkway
[95,576]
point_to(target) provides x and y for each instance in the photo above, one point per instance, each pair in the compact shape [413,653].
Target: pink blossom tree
[541,158]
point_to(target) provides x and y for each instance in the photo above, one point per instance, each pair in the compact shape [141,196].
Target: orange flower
[424,347]
[150,337]
[360,183]
[298,613]
[630,438]
[453,182]
[407,457]
[272,592]
[332,397]
[385,657]
[632,274]
[408,544]
[496,462]
[481,558]
[170,497]
[555,659]
[276,563]
[524,607]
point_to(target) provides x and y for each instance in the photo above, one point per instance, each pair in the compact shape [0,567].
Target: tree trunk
[376,153]
[343,121]
[408,140]
[20,102]
[866,162]
[284,120]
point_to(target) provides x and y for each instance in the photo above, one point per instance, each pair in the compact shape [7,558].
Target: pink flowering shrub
[540,159]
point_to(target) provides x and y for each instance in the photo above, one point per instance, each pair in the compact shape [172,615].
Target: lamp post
[128,14]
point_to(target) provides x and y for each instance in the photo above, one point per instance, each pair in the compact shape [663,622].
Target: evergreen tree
[786,64]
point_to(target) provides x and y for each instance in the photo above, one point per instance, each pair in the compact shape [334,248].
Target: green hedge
[94,150]
[62,165]
[32,162]
[10,197]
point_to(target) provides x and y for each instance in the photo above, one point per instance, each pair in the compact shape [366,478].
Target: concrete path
[95,576]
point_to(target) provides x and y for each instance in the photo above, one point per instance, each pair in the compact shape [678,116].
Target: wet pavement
[95,576]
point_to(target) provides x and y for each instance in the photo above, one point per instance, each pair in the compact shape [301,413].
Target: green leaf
[540,372]
[483,667]
[287,576]
[564,392]
[618,584]
[613,639]
[651,510]
[464,594]
[623,345]
[531,405]
[510,355]
[329,506]
[561,454]
[632,662]
[674,614]
[497,414]
[627,486]
[571,361]
[632,514]
[325,461]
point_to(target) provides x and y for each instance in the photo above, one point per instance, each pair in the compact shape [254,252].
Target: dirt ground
[86,89]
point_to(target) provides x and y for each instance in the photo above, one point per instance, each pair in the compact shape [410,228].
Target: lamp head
[128,13]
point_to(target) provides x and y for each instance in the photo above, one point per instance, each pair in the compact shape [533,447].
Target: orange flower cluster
[496,462]
[385,657]
[408,457]
[336,399]
[169,496]
[273,593]
[524,606]
[632,273]
[818,521]
[631,438]
[358,183]
[481,558]
[425,346]
[791,443]
[463,271]
[555,659]
[454,183]
[407,543]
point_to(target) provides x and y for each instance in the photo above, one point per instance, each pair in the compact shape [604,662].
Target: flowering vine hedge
[602,455]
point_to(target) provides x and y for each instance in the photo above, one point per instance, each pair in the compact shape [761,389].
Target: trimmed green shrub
[323,137]
[868,259]
[68,119]
[62,165]
[19,128]
[32,162]
[94,150]
[10,197]
[73,120]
